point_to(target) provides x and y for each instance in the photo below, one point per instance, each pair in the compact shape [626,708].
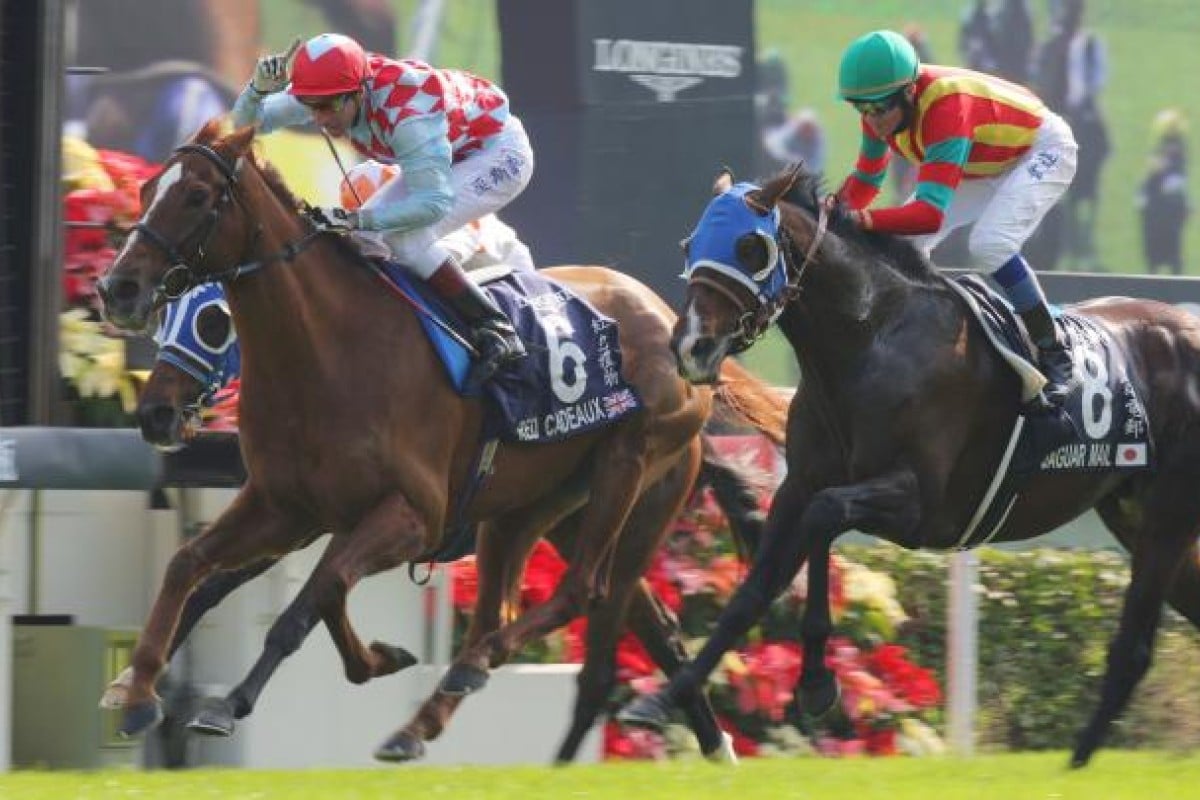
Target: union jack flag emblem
[619,402]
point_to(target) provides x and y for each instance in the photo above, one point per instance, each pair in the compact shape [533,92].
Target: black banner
[632,107]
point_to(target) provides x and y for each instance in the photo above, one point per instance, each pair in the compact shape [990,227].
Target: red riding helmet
[328,64]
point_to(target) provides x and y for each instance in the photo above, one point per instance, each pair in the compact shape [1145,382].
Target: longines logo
[667,68]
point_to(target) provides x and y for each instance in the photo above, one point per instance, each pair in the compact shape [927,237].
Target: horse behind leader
[377,463]
[907,414]
[198,356]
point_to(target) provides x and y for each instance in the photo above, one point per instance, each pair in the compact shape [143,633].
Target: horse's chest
[321,481]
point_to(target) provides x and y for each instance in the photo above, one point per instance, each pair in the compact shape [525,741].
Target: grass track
[1114,776]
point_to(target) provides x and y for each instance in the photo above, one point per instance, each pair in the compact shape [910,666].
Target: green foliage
[1045,621]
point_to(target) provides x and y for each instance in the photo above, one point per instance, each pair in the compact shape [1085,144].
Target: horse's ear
[239,141]
[781,185]
[724,181]
[793,174]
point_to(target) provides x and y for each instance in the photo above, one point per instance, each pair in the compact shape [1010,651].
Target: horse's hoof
[116,694]
[819,700]
[724,752]
[215,718]
[1082,756]
[139,718]
[391,658]
[403,746]
[462,679]
[648,711]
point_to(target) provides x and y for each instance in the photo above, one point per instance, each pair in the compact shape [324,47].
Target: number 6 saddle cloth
[569,383]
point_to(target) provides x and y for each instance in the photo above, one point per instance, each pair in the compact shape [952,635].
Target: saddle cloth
[570,382]
[1102,424]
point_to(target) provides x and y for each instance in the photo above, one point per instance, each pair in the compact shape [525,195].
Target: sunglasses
[875,108]
[333,103]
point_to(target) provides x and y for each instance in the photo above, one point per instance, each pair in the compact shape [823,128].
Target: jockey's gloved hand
[272,73]
[333,218]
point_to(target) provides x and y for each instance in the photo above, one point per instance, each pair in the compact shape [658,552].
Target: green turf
[1114,776]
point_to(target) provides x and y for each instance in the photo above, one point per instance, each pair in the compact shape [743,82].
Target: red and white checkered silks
[398,89]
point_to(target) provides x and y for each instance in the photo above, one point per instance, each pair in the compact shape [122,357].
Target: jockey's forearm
[247,110]
[423,152]
[268,112]
[430,198]
[914,218]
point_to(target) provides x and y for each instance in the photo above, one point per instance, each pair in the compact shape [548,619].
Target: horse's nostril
[703,348]
[156,421]
[120,290]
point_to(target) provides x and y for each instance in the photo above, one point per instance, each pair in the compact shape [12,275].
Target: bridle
[754,321]
[183,276]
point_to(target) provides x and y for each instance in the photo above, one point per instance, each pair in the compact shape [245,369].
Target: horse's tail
[743,398]
[737,489]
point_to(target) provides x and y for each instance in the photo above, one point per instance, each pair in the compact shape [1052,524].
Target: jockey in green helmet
[989,154]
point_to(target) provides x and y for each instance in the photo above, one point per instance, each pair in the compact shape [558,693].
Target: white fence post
[963,650]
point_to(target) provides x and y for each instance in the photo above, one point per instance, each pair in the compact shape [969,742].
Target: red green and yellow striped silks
[967,125]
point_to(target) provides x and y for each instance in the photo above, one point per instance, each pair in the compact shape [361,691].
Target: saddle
[1103,423]
[570,383]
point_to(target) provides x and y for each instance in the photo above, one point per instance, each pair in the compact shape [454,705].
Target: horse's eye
[752,252]
[196,197]
[213,327]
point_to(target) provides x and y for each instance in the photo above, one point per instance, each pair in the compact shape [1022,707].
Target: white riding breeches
[1006,209]
[483,183]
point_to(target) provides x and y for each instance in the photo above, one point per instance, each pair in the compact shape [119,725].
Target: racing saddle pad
[1102,425]
[569,383]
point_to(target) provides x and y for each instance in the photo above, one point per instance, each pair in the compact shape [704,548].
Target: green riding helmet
[876,65]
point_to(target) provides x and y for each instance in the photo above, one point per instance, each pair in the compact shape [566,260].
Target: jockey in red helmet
[462,153]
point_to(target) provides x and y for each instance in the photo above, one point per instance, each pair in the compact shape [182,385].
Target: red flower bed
[695,573]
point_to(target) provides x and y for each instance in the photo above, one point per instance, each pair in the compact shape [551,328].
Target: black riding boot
[1054,356]
[492,332]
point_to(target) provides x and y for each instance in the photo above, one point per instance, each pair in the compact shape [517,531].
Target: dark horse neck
[848,294]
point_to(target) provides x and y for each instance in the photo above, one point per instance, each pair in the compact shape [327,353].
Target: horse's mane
[896,251]
[210,134]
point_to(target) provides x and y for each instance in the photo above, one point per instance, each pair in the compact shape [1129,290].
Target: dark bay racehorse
[198,354]
[902,416]
[376,462]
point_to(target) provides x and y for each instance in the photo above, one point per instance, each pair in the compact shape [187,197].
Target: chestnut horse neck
[315,324]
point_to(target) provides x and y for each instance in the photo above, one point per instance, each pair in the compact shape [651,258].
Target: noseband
[182,276]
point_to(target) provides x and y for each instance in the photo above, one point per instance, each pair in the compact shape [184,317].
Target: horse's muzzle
[698,358]
[161,426]
[123,304]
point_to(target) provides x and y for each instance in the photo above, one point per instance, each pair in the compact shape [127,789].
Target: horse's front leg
[780,556]
[218,714]
[246,532]
[390,534]
[211,591]
[502,551]
[890,502]
[616,481]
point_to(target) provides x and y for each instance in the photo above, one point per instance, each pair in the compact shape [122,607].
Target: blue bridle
[180,344]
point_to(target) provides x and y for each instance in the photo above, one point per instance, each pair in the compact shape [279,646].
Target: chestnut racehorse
[198,355]
[378,462]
